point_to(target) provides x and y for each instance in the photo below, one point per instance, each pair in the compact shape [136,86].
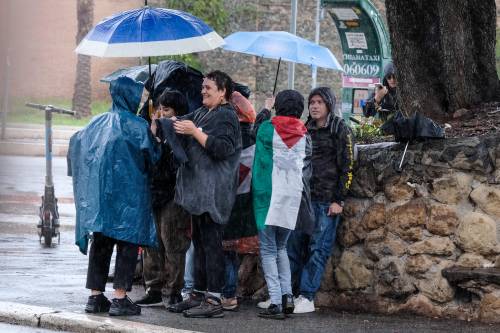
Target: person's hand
[153,123]
[380,93]
[186,127]
[269,103]
[334,209]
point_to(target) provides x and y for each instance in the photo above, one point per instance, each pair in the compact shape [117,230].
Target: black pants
[208,254]
[101,250]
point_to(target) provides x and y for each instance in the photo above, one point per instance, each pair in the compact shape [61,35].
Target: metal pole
[293,30]
[316,40]
[48,147]
[5,95]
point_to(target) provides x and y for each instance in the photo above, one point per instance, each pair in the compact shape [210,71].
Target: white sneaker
[303,305]
[264,304]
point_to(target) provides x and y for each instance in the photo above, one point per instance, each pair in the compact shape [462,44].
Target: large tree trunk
[444,53]
[82,95]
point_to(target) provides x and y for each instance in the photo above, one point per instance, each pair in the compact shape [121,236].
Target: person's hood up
[326,94]
[389,69]
[289,103]
[244,109]
[126,94]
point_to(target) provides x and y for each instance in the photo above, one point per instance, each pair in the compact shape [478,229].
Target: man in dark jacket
[383,101]
[164,266]
[332,160]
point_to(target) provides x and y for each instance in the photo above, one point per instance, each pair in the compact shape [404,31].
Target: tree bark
[444,54]
[82,95]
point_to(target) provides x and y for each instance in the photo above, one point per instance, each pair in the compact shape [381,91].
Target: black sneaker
[272,312]
[151,298]
[124,307]
[211,307]
[287,304]
[97,303]
[192,301]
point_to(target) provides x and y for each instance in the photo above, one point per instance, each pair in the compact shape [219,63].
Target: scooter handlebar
[50,108]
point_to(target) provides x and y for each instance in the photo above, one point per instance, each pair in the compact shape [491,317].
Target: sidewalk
[29,139]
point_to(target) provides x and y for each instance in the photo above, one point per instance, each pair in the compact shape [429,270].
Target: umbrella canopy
[148,32]
[281,45]
[136,73]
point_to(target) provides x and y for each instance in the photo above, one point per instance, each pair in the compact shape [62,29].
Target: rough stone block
[488,199]
[436,245]
[443,220]
[452,188]
[377,248]
[392,280]
[477,233]
[435,286]
[472,260]
[397,189]
[374,217]
[411,214]
[489,310]
[418,264]
[351,273]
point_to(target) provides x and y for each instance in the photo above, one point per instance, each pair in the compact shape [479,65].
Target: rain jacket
[389,102]
[332,156]
[110,161]
[207,183]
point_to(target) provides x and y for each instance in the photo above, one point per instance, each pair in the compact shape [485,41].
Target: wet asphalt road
[55,277]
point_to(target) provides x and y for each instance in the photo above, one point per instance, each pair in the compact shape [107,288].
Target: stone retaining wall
[401,229]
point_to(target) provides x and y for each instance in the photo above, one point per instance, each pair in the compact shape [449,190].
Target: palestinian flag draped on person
[281,172]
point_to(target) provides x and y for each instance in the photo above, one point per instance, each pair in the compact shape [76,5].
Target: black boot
[124,307]
[97,303]
[272,312]
[152,297]
[287,304]
[211,307]
[192,301]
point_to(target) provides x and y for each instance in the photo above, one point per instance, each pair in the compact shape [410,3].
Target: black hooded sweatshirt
[389,102]
[332,156]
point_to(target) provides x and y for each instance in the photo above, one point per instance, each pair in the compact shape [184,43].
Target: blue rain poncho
[110,161]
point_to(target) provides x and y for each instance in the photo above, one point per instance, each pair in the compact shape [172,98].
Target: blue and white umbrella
[148,32]
[281,45]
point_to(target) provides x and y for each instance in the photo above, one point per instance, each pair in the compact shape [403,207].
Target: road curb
[43,317]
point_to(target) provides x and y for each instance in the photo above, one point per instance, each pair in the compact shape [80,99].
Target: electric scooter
[48,226]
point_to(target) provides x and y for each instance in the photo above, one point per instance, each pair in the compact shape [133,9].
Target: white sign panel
[345,14]
[356,40]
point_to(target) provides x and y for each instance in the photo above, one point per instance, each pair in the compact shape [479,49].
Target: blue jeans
[308,257]
[275,262]
[232,263]
[189,270]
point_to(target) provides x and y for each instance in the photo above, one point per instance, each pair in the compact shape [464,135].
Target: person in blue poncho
[110,161]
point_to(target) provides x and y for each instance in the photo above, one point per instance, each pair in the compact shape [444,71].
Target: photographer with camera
[383,101]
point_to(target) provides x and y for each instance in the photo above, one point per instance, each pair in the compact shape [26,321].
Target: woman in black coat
[206,188]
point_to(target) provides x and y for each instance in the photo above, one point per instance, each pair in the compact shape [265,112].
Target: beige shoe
[230,304]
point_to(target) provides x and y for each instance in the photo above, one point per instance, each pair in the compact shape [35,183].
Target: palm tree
[82,95]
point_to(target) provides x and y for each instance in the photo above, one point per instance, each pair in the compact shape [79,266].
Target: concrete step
[32,147]
[37,131]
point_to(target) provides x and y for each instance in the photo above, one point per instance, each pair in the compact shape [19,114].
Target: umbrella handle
[276,79]
[150,108]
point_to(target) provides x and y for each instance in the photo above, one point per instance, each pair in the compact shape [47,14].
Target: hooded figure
[282,167]
[110,161]
[383,102]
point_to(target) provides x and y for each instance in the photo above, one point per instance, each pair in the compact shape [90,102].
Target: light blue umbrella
[281,45]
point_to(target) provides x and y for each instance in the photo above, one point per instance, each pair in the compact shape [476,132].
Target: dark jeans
[232,264]
[208,254]
[308,256]
[164,266]
[100,253]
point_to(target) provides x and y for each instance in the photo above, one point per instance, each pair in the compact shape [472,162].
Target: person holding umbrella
[206,188]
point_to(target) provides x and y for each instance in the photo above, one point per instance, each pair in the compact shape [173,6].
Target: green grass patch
[20,113]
